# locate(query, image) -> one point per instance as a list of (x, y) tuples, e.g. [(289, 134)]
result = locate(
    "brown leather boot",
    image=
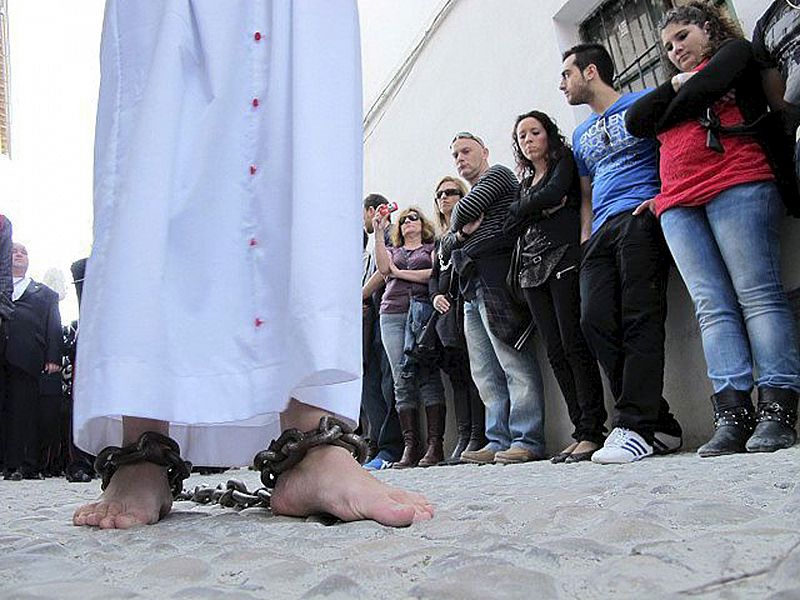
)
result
[(409, 425), (435, 453)]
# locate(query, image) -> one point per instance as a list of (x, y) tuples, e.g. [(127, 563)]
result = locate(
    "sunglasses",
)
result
[(466, 135), (606, 134), (409, 217), (448, 192)]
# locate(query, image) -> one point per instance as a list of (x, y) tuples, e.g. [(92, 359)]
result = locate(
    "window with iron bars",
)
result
[(629, 30)]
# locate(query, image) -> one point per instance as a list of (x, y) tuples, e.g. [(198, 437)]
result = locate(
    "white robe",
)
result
[(225, 272)]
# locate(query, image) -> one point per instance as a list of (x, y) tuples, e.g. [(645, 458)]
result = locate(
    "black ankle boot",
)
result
[(733, 423), (776, 418)]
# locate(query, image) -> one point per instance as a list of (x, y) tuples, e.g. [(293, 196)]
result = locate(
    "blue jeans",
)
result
[(509, 383), (377, 392), (424, 386), (727, 252)]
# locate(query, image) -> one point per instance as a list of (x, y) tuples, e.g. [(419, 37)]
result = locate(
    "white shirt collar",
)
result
[(20, 285)]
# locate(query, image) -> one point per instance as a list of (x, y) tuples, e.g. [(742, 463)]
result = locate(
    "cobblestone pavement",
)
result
[(667, 527)]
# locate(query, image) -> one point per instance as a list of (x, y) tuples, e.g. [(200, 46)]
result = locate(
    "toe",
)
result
[(391, 513), (82, 512), (121, 521)]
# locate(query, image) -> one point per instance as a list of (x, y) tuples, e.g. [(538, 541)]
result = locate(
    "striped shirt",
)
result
[(491, 196)]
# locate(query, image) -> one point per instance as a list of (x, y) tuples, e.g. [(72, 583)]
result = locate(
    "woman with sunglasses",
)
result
[(721, 211), (546, 216), (405, 309), (444, 293)]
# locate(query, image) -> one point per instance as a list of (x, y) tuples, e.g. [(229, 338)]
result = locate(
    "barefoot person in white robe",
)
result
[(228, 157)]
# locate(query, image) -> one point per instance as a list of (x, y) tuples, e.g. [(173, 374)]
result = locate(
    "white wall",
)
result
[(490, 61)]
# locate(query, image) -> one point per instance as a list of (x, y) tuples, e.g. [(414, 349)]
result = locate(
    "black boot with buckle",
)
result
[(733, 423), (776, 418)]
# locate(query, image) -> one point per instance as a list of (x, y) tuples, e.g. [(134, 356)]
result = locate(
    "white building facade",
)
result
[(479, 64)]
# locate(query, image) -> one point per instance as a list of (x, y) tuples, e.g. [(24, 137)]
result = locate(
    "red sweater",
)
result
[(693, 175)]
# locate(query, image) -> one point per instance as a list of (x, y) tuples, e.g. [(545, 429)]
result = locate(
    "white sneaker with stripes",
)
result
[(622, 446)]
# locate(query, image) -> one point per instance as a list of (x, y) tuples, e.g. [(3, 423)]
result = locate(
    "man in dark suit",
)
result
[(33, 346)]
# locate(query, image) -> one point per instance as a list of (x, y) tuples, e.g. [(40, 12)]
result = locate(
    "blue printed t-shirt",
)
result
[(623, 168)]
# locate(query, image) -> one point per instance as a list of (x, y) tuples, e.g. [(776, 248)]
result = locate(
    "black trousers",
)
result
[(466, 399), (21, 423), (556, 310), (623, 285), (50, 416)]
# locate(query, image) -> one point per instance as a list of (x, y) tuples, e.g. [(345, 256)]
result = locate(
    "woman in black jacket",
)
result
[(443, 287), (546, 216)]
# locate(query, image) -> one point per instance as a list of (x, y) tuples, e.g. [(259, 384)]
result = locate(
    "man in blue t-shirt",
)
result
[(623, 278)]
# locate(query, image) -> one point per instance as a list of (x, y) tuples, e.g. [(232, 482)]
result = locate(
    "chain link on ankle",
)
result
[(151, 447), (281, 455)]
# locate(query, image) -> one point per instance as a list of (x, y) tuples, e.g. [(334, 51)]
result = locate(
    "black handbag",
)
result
[(427, 347)]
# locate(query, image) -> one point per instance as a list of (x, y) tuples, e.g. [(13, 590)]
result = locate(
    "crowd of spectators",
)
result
[(577, 247)]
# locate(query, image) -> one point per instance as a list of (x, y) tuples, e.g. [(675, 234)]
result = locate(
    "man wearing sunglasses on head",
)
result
[(502, 358), (623, 278)]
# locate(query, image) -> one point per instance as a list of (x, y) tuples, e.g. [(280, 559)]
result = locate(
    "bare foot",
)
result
[(328, 480), (136, 495)]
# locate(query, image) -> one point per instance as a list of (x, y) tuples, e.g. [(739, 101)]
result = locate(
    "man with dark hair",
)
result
[(593, 54), (501, 355), (377, 386), (625, 262)]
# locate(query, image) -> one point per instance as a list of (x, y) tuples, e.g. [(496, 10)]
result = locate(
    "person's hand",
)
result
[(441, 303), (394, 272), (51, 368), (646, 205), (681, 78), (380, 221), (471, 228), (549, 211)]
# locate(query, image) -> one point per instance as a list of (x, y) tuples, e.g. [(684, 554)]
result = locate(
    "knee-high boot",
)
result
[(775, 420), (409, 425), (463, 423), (477, 438), (733, 423), (435, 452)]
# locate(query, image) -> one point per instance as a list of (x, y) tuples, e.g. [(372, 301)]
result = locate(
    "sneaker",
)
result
[(377, 464), (515, 454), (483, 456), (664, 443), (622, 446)]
